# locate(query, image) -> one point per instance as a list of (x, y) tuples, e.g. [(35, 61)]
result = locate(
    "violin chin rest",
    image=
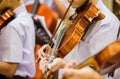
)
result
[(100, 17)]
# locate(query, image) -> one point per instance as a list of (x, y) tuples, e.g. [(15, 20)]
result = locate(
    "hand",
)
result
[(84, 73), (44, 52), (42, 64), (57, 64), (43, 55)]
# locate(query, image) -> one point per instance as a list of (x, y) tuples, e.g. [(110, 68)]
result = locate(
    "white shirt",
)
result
[(49, 3), (17, 41), (101, 34)]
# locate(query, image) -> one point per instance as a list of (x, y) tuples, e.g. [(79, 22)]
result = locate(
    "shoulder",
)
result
[(23, 19), (22, 16), (110, 18), (22, 24)]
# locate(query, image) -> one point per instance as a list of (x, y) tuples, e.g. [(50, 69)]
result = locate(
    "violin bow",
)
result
[(61, 22)]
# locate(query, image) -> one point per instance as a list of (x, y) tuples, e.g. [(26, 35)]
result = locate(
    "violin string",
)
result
[(60, 23), (55, 47)]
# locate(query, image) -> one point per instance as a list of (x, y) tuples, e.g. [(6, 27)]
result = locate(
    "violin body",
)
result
[(51, 16), (106, 60), (6, 17), (76, 30)]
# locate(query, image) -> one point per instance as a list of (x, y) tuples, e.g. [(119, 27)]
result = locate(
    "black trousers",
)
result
[(2, 77), (14, 77)]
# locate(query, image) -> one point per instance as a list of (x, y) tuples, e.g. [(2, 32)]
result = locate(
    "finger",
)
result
[(40, 56), (48, 49), (41, 52), (67, 72), (42, 65), (48, 52), (71, 64), (38, 60), (53, 66), (56, 64)]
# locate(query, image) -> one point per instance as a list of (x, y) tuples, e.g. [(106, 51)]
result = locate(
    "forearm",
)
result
[(60, 7), (8, 69)]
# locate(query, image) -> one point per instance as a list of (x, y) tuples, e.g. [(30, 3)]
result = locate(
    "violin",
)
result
[(83, 18), (104, 61), (74, 31), (5, 17)]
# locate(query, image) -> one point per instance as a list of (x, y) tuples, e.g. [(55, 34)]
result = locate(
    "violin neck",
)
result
[(89, 62), (34, 7)]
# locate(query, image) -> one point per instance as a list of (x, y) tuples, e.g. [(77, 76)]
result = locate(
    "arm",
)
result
[(70, 73), (60, 7), (8, 69), (84, 73), (11, 53)]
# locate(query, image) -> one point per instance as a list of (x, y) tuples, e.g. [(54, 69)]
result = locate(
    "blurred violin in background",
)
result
[(5, 17), (105, 62), (50, 15)]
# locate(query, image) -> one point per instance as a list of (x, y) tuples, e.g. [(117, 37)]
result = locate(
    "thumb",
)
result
[(71, 64), (69, 71)]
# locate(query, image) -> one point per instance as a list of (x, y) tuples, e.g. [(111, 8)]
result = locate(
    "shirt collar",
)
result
[(20, 9)]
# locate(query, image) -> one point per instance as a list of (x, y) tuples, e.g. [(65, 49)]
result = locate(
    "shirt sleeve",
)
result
[(11, 47), (105, 35)]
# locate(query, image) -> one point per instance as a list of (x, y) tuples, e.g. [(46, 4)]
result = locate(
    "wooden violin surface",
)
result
[(76, 29), (51, 16), (6, 17), (105, 60)]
